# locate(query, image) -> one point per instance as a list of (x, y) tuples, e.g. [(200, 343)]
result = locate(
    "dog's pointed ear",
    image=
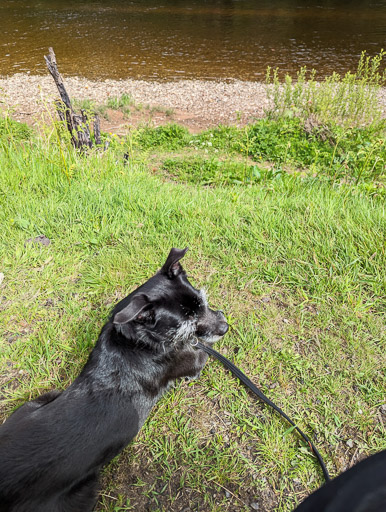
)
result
[(139, 304), (172, 266)]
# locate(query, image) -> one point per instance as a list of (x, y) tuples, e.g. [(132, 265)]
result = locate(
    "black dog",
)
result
[(53, 448), (360, 489)]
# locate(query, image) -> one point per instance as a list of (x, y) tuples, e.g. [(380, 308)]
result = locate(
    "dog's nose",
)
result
[(223, 325), (223, 328)]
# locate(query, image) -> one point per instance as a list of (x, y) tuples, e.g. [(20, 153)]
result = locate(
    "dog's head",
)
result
[(167, 309)]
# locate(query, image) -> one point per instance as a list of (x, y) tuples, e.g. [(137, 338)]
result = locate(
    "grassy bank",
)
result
[(286, 229)]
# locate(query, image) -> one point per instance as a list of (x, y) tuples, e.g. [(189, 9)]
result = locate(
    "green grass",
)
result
[(124, 103), (91, 107), (119, 103), (11, 131), (212, 171), (296, 263), (349, 155), (171, 136)]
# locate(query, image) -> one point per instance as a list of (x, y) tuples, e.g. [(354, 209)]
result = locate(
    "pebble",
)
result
[(255, 506)]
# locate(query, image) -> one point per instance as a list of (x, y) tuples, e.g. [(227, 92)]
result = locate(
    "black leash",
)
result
[(245, 380)]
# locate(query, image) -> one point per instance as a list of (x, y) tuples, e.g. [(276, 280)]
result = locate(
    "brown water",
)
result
[(177, 39)]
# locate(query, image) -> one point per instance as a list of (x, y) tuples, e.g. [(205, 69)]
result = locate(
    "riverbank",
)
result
[(196, 104)]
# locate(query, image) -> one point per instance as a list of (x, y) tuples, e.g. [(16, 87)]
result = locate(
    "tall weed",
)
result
[(350, 100)]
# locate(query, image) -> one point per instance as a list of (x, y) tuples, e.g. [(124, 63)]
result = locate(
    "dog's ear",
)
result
[(172, 266), (133, 311)]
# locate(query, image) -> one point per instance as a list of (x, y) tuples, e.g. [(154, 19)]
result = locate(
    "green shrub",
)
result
[(168, 137), (221, 138), (353, 153), (285, 141)]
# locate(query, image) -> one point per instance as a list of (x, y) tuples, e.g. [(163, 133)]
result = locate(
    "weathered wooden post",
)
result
[(77, 124)]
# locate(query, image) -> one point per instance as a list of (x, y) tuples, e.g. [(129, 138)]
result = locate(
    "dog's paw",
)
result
[(194, 377)]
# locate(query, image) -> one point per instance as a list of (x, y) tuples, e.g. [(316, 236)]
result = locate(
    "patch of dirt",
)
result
[(120, 123), (41, 239), (145, 487), (10, 380), (135, 477)]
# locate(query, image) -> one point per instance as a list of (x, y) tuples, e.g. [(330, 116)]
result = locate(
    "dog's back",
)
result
[(52, 449), (51, 452)]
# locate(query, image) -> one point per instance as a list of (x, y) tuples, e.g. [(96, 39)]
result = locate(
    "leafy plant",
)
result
[(220, 138)]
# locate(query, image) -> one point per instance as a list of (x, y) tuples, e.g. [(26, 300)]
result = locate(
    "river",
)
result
[(174, 39)]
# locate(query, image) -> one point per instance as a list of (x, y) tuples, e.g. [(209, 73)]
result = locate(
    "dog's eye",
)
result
[(145, 317)]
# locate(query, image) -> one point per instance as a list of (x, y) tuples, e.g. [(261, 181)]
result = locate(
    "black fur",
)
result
[(360, 489), (53, 448)]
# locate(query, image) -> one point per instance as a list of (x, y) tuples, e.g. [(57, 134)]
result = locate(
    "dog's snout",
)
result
[(223, 328), (223, 325), (212, 326)]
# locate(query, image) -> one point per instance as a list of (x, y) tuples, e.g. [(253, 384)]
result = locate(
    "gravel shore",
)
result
[(196, 103)]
